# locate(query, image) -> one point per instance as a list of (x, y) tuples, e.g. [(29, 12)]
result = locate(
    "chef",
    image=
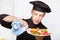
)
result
[(38, 12)]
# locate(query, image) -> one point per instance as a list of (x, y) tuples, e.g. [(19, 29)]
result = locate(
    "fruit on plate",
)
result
[(35, 31), (44, 31), (39, 32)]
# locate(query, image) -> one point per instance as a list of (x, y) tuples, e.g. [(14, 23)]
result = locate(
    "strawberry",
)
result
[(45, 33)]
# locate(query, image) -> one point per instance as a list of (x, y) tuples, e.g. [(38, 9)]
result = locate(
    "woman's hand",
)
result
[(24, 24)]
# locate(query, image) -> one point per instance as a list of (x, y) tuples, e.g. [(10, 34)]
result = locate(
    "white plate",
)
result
[(28, 31)]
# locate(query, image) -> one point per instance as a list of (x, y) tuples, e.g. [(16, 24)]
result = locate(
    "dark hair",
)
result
[(4, 23)]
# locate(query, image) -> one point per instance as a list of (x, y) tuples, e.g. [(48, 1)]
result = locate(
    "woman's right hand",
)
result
[(24, 23)]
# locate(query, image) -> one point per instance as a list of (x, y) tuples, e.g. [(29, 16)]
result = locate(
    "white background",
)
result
[(6, 7), (22, 8)]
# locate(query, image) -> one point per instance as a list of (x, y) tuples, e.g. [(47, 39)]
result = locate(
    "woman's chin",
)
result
[(36, 23)]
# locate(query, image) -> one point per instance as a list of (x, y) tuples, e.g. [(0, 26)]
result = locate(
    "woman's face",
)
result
[(37, 16)]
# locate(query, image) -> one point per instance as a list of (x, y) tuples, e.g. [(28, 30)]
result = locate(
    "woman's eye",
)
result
[(41, 15)]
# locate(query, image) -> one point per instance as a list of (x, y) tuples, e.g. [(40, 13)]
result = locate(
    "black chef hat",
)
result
[(40, 6)]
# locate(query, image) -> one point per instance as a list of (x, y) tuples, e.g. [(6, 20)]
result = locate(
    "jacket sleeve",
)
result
[(6, 24)]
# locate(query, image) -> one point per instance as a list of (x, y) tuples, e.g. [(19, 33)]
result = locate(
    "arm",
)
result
[(7, 20), (12, 18)]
